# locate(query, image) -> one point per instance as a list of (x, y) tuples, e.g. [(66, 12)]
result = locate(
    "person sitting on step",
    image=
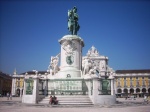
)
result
[(51, 100), (55, 101)]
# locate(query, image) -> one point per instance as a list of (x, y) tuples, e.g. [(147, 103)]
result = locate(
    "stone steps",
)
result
[(70, 100)]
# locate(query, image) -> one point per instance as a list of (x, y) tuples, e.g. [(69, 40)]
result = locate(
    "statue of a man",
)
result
[(86, 66), (73, 25), (54, 65)]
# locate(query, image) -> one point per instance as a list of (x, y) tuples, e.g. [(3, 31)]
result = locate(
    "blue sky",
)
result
[(30, 30)]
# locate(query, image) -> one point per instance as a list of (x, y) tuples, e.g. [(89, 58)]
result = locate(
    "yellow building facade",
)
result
[(128, 82), (17, 84)]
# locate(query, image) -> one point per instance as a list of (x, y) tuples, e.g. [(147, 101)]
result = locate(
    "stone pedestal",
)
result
[(33, 97), (97, 97), (71, 56), (95, 90)]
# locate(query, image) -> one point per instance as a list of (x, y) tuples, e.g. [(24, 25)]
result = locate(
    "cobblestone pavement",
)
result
[(122, 105)]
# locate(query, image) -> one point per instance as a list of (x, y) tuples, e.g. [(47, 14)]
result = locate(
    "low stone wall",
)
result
[(104, 99)]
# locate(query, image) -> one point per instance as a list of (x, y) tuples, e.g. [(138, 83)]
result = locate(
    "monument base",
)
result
[(69, 74), (104, 100)]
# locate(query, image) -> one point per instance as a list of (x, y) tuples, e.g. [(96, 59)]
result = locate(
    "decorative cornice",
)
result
[(71, 37)]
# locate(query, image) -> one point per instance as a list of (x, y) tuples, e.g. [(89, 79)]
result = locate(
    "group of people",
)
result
[(53, 100), (9, 96)]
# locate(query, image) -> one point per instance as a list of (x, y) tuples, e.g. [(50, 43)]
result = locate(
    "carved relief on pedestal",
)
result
[(69, 46)]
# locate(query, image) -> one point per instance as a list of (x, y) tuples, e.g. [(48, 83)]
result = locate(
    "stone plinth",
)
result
[(71, 56), (32, 97)]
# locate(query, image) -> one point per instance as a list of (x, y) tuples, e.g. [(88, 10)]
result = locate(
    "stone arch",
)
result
[(125, 90), (143, 90), (137, 90), (119, 90), (131, 90), (149, 91)]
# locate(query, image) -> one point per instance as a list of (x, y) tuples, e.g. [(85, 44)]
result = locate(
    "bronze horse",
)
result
[(73, 25)]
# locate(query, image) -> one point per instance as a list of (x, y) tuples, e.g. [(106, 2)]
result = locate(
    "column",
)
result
[(115, 86), (20, 92), (35, 90), (128, 90), (46, 87), (95, 89), (122, 90), (141, 90), (134, 90), (112, 86), (13, 91), (12, 87)]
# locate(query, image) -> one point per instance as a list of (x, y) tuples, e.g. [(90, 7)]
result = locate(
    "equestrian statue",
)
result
[(73, 25)]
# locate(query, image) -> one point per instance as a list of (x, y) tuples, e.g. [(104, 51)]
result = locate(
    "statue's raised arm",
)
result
[(73, 25)]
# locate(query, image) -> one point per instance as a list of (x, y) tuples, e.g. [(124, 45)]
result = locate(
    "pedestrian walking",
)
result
[(7, 96), (10, 96)]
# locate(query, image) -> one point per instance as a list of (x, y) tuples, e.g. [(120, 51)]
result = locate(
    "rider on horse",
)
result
[(73, 25)]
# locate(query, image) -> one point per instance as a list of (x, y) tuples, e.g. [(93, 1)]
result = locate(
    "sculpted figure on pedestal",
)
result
[(53, 67), (86, 66), (69, 47), (92, 71)]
